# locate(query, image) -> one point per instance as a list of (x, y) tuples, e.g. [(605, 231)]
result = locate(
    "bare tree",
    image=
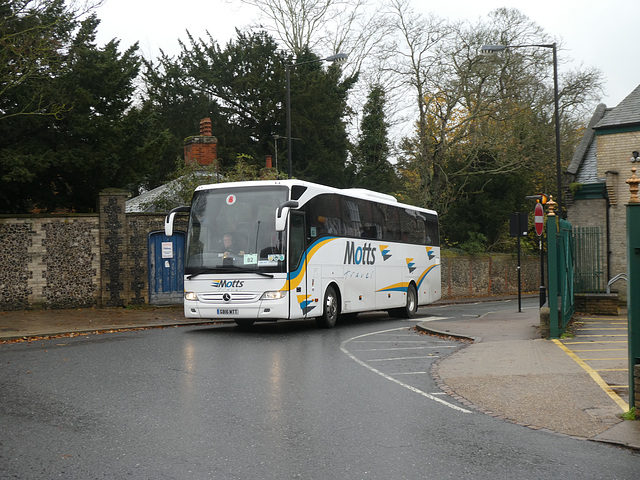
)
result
[(472, 110)]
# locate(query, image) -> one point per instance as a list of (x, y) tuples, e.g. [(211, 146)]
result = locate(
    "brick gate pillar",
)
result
[(113, 247)]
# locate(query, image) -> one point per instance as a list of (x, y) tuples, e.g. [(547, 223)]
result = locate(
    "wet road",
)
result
[(276, 401)]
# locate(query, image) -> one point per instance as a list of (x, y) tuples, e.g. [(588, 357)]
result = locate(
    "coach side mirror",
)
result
[(282, 213), (169, 219)]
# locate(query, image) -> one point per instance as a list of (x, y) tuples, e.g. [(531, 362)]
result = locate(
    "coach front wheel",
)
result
[(331, 309)]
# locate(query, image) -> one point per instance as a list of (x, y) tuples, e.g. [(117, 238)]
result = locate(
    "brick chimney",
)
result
[(201, 149)]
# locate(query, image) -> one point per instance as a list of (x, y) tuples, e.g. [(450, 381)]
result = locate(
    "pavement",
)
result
[(504, 369)]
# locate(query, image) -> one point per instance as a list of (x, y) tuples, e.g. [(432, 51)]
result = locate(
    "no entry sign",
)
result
[(538, 218)]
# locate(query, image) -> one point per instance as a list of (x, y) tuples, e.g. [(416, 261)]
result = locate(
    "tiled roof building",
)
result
[(599, 170)]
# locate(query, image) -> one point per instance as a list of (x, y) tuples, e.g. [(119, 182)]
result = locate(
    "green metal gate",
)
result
[(588, 273), (561, 274)]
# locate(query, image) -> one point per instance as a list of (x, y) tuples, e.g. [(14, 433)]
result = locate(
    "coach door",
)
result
[(298, 303), (166, 268)]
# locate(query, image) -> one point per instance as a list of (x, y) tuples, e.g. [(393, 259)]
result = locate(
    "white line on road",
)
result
[(401, 358), (409, 373), (432, 319), (390, 378), (400, 348)]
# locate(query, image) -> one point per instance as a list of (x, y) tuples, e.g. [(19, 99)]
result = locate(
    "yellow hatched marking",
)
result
[(595, 320), (593, 374), (601, 359), (604, 328), (601, 350), (612, 370), (612, 335), (591, 343), (581, 322)]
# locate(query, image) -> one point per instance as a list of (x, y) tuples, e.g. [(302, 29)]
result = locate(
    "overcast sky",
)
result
[(597, 33)]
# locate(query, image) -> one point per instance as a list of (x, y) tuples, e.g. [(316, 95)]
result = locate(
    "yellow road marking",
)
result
[(620, 322), (612, 369), (602, 319), (603, 328), (592, 342), (598, 359), (593, 374), (613, 335), (601, 350)]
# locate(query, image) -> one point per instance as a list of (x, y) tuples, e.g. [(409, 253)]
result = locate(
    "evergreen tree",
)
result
[(318, 125), (62, 162), (242, 89), (371, 154), (32, 35)]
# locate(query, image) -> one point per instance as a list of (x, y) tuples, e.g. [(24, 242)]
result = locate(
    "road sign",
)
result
[(518, 224), (538, 218)]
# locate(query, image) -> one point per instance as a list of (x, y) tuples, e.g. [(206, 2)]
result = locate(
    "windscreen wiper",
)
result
[(200, 271), (226, 269)]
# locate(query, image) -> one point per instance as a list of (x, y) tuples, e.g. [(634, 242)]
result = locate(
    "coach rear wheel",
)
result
[(331, 309), (411, 307)]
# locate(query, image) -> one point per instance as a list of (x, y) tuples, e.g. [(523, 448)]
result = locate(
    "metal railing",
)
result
[(589, 275), (561, 275)]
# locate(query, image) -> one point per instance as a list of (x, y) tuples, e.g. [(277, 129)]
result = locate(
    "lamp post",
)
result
[(338, 57), (490, 49)]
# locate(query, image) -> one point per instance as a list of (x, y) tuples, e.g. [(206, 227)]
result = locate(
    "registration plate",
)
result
[(228, 311)]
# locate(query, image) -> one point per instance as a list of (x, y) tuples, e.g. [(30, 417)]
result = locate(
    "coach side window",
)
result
[(433, 235), (391, 227)]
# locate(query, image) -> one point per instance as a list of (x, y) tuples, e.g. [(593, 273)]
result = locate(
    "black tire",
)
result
[(244, 322), (411, 307), (331, 309)]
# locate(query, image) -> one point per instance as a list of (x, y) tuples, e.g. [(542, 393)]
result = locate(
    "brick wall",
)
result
[(49, 262), (596, 304), (488, 275), (614, 151), (77, 261)]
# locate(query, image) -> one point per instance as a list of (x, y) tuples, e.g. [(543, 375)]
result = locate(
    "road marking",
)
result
[(433, 319), (612, 335), (394, 349), (390, 341), (602, 322), (614, 396), (601, 350), (395, 380), (599, 359), (409, 373), (603, 328), (401, 358), (568, 342)]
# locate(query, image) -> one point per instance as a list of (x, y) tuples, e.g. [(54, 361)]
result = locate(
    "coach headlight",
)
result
[(190, 296), (275, 295)]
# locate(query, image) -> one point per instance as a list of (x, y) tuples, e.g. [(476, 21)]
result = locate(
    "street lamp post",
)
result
[(490, 49), (338, 57)]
